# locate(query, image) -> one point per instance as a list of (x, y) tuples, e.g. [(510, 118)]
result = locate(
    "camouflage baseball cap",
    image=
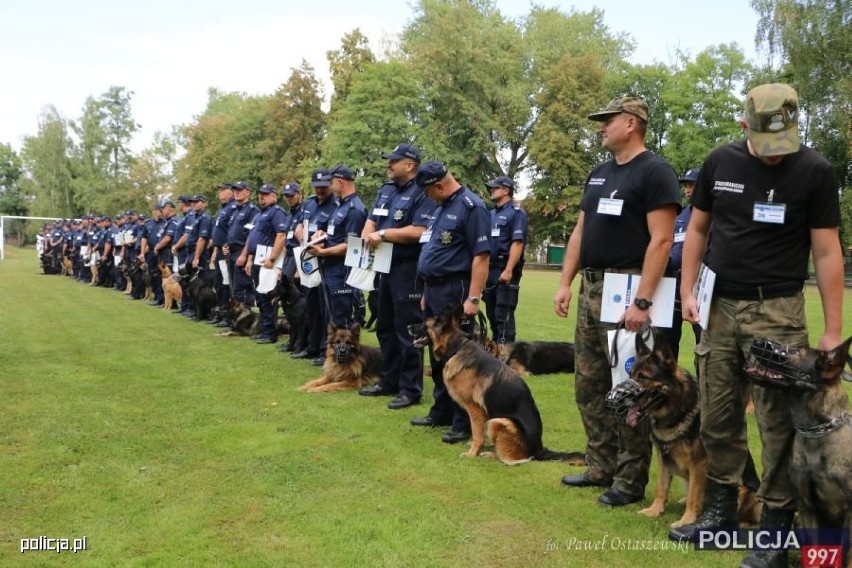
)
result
[(772, 114), (625, 103)]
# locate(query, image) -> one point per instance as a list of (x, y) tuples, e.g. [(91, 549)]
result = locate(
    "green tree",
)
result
[(47, 163), (151, 174), (344, 63), (12, 199), (293, 127)]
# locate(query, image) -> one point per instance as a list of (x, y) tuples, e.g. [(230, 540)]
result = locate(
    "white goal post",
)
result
[(3, 228)]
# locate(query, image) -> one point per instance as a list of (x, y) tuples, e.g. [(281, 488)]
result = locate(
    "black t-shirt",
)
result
[(645, 183), (745, 252)]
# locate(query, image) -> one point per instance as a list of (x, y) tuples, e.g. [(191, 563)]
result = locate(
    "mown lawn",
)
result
[(165, 445)]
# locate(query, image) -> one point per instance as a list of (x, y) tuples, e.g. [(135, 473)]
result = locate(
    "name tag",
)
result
[(290, 234), (679, 237), (312, 228), (380, 212), (769, 213), (330, 230), (607, 206), (426, 236), (249, 226), (495, 232)]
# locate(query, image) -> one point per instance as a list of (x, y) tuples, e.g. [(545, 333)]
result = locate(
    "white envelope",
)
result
[(704, 294), (223, 268), (619, 290), (267, 279), (359, 256)]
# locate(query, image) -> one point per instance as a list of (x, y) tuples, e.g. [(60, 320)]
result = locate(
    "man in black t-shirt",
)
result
[(625, 225), (768, 202)]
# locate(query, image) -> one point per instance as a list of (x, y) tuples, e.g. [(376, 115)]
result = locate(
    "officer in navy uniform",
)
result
[(57, 236), (182, 231), (454, 266), (137, 292), (78, 240), (118, 236), (109, 250), (270, 230), (91, 238), (315, 215), (508, 238), (239, 227), (348, 219), (399, 215), (166, 234), (198, 236), (221, 224), (150, 237), (292, 193)]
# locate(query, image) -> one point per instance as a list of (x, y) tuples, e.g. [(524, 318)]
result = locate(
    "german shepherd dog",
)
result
[(172, 291), (348, 364), (537, 357), (495, 397), (242, 320), (821, 461), (67, 266), (666, 393), (199, 286), (294, 305)]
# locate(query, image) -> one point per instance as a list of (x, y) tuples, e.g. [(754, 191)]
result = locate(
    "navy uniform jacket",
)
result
[(460, 232), (296, 217), (170, 228), (221, 223), (681, 222), (267, 224), (403, 206), (240, 223), (508, 224), (79, 239), (185, 226), (153, 232), (317, 215), (200, 229), (347, 219)]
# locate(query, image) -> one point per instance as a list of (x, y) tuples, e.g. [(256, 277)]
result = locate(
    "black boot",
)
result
[(770, 519), (720, 510)]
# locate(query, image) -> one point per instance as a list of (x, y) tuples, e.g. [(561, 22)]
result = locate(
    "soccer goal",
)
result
[(5, 222)]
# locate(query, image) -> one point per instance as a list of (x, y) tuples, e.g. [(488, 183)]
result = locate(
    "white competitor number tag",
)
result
[(608, 206), (380, 212), (769, 213)]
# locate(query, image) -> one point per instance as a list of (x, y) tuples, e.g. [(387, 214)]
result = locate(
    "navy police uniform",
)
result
[(219, 236), (239, 226), (317, 215), (508, 225), (347, 219), (270, 222)]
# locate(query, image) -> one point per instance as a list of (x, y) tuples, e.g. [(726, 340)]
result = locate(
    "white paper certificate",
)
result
[(704, 294), (359, 256), (619, 291)]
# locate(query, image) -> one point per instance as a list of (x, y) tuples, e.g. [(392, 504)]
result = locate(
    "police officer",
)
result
[(454, 266), (57, 238), (152, 232), (239, 226), (182, 230), (399, 215), (625, 225), (315, 215), (219, 238), (137, 291), (270, 231), (293, 197), (166, 234), (769, 203), (508, 238), (347, 219)]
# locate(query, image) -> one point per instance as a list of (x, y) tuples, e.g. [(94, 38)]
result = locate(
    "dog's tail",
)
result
[(571, 458)]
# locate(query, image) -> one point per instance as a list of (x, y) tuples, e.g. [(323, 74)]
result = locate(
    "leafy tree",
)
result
[(151, 173), (12, 199), (352, 57), (293, 126), (46, 159)]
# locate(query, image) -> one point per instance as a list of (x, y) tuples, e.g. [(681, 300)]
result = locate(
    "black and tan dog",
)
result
[(243, 321), (536, 357), (666, 393), (348, 364), (495, 397), (200, 288), (821, 461), (294, 305)]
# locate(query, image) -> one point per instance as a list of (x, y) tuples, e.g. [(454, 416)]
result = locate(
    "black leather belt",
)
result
[(445, 279), (754, 293), (597, 274)]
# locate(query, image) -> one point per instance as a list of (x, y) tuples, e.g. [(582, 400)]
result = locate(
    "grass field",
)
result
[(164, 445)]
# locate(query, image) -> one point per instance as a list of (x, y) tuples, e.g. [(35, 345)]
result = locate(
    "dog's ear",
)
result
[(457, 313), (355, 329), (331, 329), (833, 361)]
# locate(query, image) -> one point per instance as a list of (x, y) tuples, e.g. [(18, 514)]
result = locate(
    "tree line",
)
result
[(484, 93)]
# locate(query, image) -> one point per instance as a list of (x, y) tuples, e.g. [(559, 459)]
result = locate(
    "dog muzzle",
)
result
[(342, 352), (631, 402), (768, 365)]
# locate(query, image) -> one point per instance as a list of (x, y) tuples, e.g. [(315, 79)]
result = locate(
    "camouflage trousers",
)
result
[(724, 392), (615, 452)]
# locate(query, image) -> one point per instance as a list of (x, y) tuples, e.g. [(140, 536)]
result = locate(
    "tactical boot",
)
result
[(720, 510), (770, 519)]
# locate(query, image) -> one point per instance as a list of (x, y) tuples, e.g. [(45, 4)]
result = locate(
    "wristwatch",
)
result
[(643, 303), (382, 234), (473, 300)]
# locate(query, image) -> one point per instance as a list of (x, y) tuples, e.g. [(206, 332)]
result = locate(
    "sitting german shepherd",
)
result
[(348, 364), (537, 357), (242, 320), (199, 286), (821, 461), (171, 287), (660, 389), (495, 397)]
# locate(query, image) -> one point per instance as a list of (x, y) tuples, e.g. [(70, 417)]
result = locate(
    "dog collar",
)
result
[(824, 429)]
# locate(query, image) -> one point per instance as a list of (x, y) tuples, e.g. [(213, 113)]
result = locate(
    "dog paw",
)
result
[(652, 511), (682, 521)]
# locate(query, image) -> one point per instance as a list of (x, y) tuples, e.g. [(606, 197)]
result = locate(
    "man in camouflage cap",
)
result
[(769, 203)]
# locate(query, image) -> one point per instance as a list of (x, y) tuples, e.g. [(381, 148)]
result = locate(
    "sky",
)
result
[(170, 52)]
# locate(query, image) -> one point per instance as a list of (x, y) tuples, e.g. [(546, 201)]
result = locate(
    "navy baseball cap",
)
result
[(197, 197), (130, 212), (159, 206), (403, 151), (290, 189), (342, 172), (690, 175), (266, 188), (169, 203), (430, 172), (502, 181), (184, 199), (320, 177), (240, 185), (224, 185)]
